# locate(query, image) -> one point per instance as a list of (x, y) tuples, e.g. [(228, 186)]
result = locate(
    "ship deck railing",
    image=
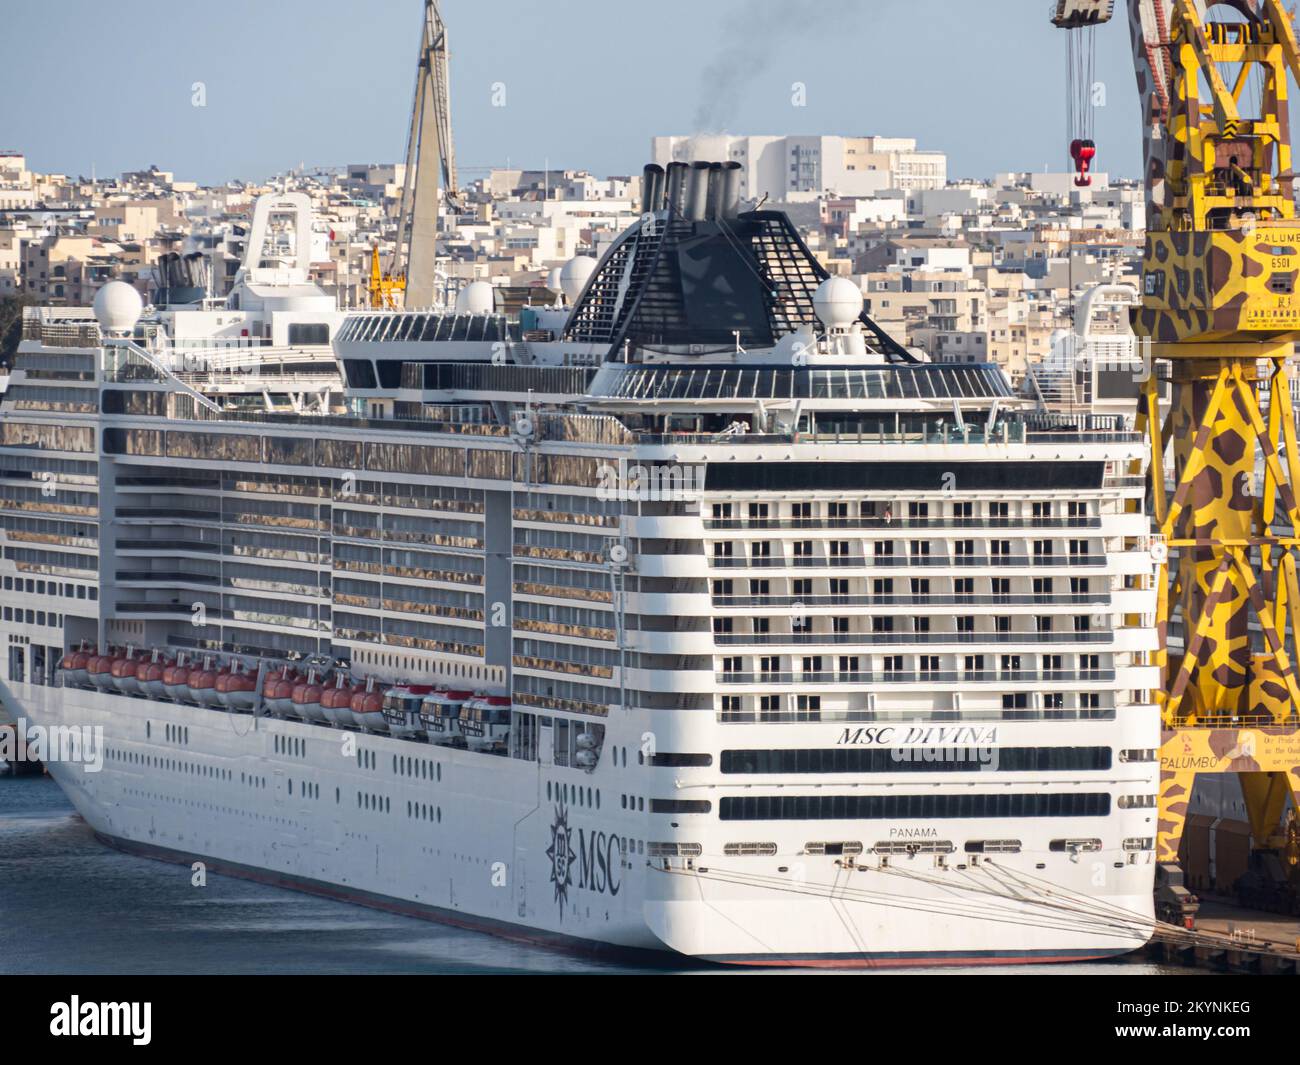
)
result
[(234, 358), (804, 717), (1016, 433), (877, 521), (289, 621), (786, 601), (345, 421), (742, 639), (1019, 676), (900, 561)]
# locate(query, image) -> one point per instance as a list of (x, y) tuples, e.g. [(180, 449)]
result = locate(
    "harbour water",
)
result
[(68, 904)]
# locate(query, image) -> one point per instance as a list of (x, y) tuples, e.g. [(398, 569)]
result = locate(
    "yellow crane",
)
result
[(1219, 319), (383, 288)]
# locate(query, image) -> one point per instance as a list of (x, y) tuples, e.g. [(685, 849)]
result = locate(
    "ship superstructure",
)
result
[(694, 614)]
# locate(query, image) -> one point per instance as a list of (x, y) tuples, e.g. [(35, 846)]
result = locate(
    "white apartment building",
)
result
[(12, 237), (17, 185), (805, 167)]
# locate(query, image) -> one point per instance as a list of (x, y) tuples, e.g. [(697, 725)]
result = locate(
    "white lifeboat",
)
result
[(440, 713), (485, 723), (402, 710)]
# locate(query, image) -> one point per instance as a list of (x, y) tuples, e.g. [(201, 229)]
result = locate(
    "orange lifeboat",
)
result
[(237, 689), (277, 691), (99, 670), (123, 672), (203, 684), (175, 679), (367, 708), (149, 675), (74, 667), (306, 698), (336, 702)]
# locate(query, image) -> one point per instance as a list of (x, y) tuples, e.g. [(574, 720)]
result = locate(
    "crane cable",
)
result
[(910, 902), (1069, 911), (1080, 76)]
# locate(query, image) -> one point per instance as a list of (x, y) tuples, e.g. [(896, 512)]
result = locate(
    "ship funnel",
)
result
[(178, 280), (675, 196), (729, 190), (697, 192), (652, 188)]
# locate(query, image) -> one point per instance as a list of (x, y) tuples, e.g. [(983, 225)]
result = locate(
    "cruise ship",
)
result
[(684, 614)]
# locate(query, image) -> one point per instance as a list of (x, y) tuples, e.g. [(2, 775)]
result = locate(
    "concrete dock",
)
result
[(1228, 938)]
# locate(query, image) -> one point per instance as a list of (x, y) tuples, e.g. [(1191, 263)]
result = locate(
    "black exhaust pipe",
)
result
[(652, 188), (713, 209), (729, 195), (675, 196), (697, 192)]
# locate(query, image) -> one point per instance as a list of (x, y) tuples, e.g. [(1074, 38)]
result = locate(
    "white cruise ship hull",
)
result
[(294, 805)]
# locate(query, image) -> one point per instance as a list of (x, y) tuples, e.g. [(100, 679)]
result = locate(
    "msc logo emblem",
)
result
[(562, 856), (597, 859)]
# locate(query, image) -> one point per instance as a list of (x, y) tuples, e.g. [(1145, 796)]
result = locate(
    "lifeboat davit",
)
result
[(367, 708), (277, 692), (237, 689), (99, 670), (336, 702), (305, 698), (203, 684), (175, 679), (123, 673), (402, 710), (149, 675), (74, 667), (440, 712)]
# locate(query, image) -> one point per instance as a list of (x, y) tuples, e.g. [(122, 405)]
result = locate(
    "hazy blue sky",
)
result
[(587, 82)]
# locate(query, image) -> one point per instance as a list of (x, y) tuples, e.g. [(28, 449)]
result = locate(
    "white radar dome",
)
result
[(574, 275), (553, 278), (118, 307), (837, 302), (475, 298)]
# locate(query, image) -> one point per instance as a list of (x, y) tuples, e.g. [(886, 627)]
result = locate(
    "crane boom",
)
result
[(430, 154), (1149, 35), (1219, 319)]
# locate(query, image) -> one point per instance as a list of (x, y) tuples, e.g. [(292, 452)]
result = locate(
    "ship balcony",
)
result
[(190, 515), (889, 676), (153, 547), (264, 620), (878, 521), (784, 603), (168, 577), (1048, 715), (939, 639), (973, 433), (917, 561)]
